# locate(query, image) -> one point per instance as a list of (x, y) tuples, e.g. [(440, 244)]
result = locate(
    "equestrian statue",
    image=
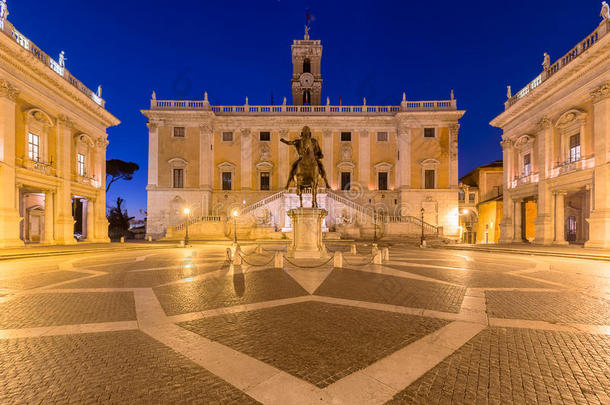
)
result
[(308, 168)]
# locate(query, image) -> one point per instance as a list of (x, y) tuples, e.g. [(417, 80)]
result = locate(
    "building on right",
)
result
[(556, 148)]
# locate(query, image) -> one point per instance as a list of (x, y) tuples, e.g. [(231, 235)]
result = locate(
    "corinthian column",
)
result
[(9, 212), (64, 221), (453, 155)]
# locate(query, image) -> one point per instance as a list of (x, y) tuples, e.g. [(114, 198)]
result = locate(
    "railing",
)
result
[(571, 165), (192, 221), (9, 30), (571, 55), (447, 105), (260, 203), (353, 205), (46, 168), (525, 179), (428, 228)]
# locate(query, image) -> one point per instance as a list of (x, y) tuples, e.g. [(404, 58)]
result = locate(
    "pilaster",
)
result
[(404, 162), (9, 211), (246, 159), (544, 220), (205, 155), (283, 156), (153, 153), (364, 159), (518, 221), (64, 220), (48, 217), (560, 238), (453, 155), (327, 150)]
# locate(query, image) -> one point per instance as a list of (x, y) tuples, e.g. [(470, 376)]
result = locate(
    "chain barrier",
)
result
[(366, 262), (309, 267), (255, 264)]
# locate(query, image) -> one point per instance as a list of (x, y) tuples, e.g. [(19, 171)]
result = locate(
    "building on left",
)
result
[(52, 148)]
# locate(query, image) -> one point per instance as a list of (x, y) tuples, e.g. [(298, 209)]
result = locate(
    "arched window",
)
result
[(306, 66), (306, 97)]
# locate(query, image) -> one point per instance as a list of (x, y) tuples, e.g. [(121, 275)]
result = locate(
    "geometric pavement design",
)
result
[(181, 326)]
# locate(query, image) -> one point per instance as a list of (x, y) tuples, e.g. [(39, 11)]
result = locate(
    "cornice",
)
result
[(18, 58), (601, 93), (8, 90)]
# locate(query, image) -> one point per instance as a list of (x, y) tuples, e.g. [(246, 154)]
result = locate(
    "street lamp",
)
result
[(187, 212), (423, 239), (235, 213)]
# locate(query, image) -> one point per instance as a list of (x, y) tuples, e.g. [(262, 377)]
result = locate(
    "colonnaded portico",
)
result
[(384, 163)]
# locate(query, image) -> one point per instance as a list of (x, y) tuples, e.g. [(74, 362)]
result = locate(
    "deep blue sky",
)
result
[(234, 49)]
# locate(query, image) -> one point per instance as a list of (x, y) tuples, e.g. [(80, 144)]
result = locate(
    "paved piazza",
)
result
[(180, 325)]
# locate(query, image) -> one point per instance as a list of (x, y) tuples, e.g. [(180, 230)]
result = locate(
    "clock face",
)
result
[(306, 80)]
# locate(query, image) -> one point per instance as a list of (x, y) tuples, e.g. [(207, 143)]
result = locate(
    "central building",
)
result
[(384, 163)]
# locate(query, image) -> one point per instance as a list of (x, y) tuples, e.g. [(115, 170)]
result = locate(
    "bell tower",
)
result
[(306, 71)]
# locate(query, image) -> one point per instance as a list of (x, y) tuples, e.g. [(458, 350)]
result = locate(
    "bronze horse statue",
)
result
[(306, 171)]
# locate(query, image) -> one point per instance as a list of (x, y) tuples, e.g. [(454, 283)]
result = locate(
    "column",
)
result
[(599, 220), (90, 220), (364, 159), (153, 154), (560, 238), (64, 222), (518, 221), (507, 231), (48, 238), (205, 161), (99, 201), (544, 218), (404, 162), (453, 155), (9, 208), (246, 159), (327, 150), (283, 156)]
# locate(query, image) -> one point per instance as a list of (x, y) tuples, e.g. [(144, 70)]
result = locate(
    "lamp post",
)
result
[(235, 213), (423, 240), (187, 212)]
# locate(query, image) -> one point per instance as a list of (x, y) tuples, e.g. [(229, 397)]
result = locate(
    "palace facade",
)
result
[(52, 148), (556, 149), (384, 163)]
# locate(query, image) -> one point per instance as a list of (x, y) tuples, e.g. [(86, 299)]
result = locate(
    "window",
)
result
[(227, 136), (346, 136), (346, 179), (471, 197), (80, 164), (306, 66), (178, 178), (265, 181), (527, 164), (382, 180), (265, 136), (382, 137), (429, 132), (429, 178), (306, 97), (179, 132), (461, 195), (34, 147), (227, 180), (574, 148)]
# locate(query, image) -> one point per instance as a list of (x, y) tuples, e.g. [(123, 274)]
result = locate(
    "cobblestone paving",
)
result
[(113, 367), (265, 285), (474, 278), (520, 366), (140, 279), (320, 343), (364, 286), (578, 280), (36, 280), (29, 311), (548, 306)]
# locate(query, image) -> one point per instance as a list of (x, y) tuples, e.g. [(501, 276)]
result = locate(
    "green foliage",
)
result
[(118, 221), (118, 169)]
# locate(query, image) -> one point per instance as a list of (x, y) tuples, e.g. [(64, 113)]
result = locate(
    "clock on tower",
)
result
[(306, 73)]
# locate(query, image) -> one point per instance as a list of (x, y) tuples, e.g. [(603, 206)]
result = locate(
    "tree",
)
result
[(118, 169), (118, 220)]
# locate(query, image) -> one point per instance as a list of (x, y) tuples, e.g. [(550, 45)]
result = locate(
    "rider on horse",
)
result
[(298, 143)]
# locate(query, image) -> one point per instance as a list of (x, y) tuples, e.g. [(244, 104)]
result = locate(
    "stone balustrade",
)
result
[(9, 30), (591, 39), (445, 105)]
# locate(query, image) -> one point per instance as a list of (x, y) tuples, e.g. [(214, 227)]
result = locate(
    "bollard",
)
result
[(229, 254), (338, 260), (352, 249), (375, 249), (377, 259), (149, 238), (181, 243), (259, 249), (278, 261), (385, 253), (122, 239)]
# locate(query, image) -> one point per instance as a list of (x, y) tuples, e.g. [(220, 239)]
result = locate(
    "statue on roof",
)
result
[(62, 59), (605, 13), (306, 37), (3, 11), (546, 62)]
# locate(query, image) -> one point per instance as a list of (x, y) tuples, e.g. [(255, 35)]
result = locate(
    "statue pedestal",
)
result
[(307, 233)]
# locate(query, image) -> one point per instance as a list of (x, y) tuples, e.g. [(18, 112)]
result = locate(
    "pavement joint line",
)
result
[(544, 325), (421, 356), (70, 329), (432, 266), (513, 251), (388, 271)]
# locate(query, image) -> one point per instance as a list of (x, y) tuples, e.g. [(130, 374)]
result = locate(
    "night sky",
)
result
[(234, 49)]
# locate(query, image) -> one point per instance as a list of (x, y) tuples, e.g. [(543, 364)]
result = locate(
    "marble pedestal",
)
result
[(307, 233)]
